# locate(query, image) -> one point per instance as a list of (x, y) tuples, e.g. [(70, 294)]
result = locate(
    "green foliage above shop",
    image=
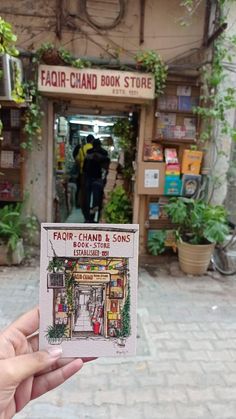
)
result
[(7, 39), (151, 62)]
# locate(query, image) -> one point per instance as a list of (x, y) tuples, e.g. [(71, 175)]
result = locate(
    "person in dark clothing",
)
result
[(95, 170), (75, 174)]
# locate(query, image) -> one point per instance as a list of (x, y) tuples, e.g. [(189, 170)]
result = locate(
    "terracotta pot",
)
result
[(194, 259), (52, 57)]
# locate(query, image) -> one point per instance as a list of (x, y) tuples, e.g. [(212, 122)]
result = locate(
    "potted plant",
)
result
[(11, 230), (199, 227), (156, 243), (55, 334), (118, 209), (14, 229)]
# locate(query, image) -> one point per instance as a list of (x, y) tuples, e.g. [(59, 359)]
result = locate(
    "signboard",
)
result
[(91, 277), (87, 243), (96, 82)]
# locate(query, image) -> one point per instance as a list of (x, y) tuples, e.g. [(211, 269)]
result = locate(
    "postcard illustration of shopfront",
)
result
[(88, 288)]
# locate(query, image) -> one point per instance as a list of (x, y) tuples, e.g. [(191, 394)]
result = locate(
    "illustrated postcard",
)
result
[(88, 288)]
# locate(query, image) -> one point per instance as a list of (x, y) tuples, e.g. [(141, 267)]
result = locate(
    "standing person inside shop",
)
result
[(74, 176), (83, 151), (80, 159), (95, 171)]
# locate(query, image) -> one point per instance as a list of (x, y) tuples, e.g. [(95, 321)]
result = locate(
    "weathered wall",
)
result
[(222, 160), (36, 22)]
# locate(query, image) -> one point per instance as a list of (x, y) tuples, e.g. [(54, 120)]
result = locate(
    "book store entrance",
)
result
[(91, 159), (89, 310)]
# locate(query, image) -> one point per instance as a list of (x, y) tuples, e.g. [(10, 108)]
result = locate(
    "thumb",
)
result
[(16, 370)]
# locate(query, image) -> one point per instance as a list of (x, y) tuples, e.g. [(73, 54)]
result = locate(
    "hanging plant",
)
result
[(49, 54), (151, 62)]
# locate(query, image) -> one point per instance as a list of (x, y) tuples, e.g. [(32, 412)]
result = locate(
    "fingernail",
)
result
[(55, 352)]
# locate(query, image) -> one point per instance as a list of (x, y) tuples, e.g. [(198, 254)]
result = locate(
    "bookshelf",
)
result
[(175, 127), (11, 155)]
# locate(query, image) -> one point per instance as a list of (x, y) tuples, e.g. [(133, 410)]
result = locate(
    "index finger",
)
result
[(28, 323)]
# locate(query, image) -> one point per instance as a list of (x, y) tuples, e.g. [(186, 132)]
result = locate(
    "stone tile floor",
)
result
[(185, 366)]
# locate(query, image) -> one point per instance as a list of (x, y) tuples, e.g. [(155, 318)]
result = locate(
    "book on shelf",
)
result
[(173, 169), (171, 156), (191, 185), (153, 210), (15, 118), (184, 90), (153, 152), (166, 119), (172, 185), (185, 103), (7, 159), (169, 103), (191, 162), (6, 138)]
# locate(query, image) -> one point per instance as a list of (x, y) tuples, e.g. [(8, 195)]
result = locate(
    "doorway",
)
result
[(71, 130), (89, 303)]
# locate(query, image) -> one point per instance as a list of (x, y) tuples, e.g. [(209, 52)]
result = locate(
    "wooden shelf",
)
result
[(12, 176), (159, 224), (191, 113), (10, 168), (174, 141), (3, 199)]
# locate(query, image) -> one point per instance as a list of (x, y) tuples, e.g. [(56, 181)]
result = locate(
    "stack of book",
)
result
[(172, 179)]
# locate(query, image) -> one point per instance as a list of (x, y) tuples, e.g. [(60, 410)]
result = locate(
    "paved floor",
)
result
[(185, 367)]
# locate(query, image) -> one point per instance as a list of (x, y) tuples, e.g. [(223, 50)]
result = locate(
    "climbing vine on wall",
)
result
[(218, 96), (152, 62)]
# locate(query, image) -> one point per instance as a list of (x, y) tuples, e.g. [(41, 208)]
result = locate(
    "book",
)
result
[(191, 162), (7, 159), (88, 275), (171, 155), (173, 169), (179, 131), (172, 185), (168, 102), (154, 211), (166, 119), (184, 103), (153, 152), (191, 185), (184, 90)]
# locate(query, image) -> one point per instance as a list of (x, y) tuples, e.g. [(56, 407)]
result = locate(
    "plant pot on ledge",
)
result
[(52, 57)]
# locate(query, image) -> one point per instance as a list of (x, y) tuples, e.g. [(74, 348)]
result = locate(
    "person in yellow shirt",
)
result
[(80, 159), (83, 151)]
